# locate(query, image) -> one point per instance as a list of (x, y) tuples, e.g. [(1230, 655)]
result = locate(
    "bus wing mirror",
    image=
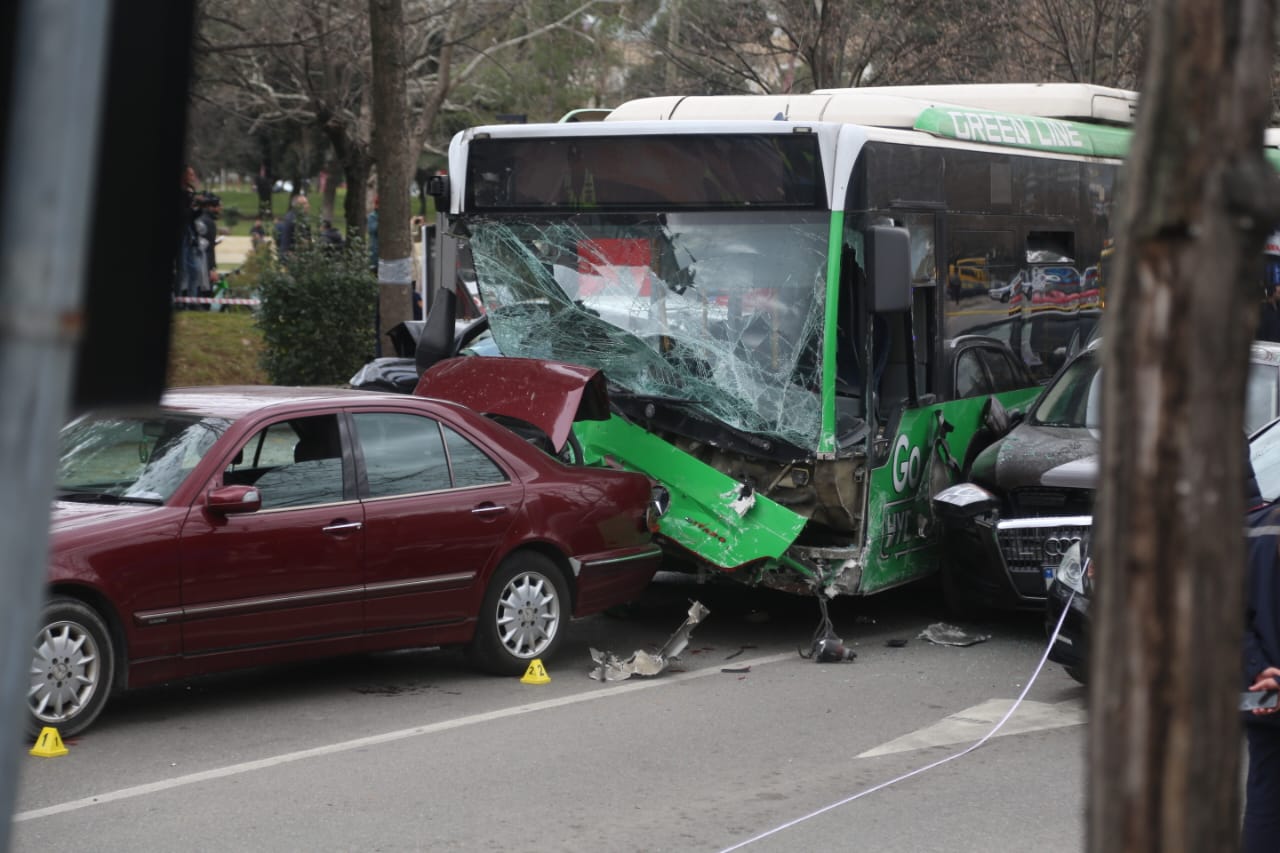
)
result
[(889, 269), (438, 189), (436, 343)]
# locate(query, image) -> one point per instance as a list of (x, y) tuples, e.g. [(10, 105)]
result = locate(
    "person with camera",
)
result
[(190, 270)]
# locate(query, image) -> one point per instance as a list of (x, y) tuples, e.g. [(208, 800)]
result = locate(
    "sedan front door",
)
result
[(290, 573)]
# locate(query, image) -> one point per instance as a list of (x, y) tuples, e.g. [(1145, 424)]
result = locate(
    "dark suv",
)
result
[(1029, 496)]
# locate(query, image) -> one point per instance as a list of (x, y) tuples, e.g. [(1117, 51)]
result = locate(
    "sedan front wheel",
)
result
[(72, 665), (523, 616)]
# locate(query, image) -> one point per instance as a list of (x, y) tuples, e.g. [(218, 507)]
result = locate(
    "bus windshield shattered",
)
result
[(715, 314)]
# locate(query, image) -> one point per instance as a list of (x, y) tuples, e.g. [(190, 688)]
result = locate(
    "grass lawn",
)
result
[(215, 348), (245, 203)]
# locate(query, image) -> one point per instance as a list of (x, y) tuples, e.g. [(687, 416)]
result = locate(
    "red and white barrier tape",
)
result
[(212, 300)]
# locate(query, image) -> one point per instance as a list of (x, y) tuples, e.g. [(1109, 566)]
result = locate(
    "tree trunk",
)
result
[(1164, 734), (356, 205), (329, 193), (391, 153)]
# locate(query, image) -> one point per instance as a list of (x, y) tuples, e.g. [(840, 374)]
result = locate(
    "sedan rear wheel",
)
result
[(524, 612), (72, 665)]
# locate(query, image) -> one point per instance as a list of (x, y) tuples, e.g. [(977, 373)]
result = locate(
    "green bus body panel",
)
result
[(1021, 131), (902, 538), (701, 517), (835, 244)]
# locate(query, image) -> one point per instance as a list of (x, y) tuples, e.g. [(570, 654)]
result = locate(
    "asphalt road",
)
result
[(415, 751)]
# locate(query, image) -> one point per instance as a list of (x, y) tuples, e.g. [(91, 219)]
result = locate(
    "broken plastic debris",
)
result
[(735, 670), (744, 501), (609, 667), (949, 635)]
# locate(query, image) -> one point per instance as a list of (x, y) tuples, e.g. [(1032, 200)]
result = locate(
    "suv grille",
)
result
[(1028, 551)]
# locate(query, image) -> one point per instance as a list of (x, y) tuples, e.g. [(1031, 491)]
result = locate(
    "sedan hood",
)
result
[(1034, 456), (550, 395), (71, 515)]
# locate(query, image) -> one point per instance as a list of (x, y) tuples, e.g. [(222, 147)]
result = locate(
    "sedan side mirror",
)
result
[(231, 500)]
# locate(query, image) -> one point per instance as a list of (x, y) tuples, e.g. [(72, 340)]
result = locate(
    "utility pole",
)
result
[(59, 51), (1196, 203)]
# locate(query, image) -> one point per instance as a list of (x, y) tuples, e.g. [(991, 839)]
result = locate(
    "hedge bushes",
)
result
[(317, 314)]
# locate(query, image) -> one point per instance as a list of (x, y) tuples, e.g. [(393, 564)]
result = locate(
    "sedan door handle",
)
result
[(343, 527), (488, 509)]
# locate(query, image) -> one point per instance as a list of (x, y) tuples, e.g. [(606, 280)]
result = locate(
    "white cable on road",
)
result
[(1044, 657)]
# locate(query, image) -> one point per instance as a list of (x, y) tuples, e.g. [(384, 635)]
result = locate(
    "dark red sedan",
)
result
[(236, 527)]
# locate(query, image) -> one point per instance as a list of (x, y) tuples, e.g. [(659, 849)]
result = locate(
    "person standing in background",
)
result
[(187, 269), (293, 229), (257, 234), (210, 208)]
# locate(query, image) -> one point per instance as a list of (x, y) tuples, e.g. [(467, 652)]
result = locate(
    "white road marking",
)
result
[(387, 737), (972, 723)]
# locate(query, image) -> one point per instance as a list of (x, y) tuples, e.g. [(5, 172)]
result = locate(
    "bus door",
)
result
[(900, 536)]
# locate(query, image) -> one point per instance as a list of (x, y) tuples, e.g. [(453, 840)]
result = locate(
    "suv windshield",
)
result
[(1073, 399), (719, 313)]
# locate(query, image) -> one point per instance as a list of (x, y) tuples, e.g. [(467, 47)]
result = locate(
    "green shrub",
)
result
[(317, 314)]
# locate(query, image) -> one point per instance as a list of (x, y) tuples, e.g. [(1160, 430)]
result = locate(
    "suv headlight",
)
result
[(1070, 571)]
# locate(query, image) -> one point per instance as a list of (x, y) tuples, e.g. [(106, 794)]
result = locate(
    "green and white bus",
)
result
[(794, 297)]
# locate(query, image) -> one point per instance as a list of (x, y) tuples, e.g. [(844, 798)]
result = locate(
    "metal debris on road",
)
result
[(609, 667), (826, 646), (949, 635)]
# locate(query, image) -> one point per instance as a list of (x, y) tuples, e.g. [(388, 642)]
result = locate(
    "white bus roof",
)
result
[(896, 106)]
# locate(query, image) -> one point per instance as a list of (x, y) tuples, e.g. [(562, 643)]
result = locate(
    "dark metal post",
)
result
[(48, 162)]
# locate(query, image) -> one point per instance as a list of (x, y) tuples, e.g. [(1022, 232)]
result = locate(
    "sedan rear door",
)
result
[(437, 506)]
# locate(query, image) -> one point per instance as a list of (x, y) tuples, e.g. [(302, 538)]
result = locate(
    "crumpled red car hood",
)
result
[(551, 395)]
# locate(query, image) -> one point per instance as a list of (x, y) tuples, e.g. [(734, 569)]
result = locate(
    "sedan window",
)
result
[(292, 463), (471, 465), (403, 454)]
